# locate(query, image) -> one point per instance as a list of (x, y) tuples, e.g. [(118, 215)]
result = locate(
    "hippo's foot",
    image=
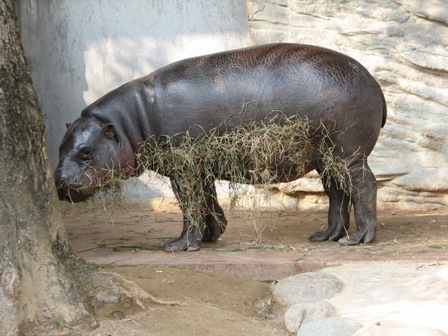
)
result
[(207, 237), (211, 234), (189, 240), (365, 236), (181, 244), (333, 234), (214, 228)]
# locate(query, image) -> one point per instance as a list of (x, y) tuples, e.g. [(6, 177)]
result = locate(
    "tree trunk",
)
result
[(43, 283), (40, 275)]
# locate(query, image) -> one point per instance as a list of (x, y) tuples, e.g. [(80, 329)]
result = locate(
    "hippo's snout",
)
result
[(71, 193), (73, 189)]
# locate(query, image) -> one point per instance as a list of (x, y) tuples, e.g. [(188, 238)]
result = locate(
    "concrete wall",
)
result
[(80, 50), (404, 44)]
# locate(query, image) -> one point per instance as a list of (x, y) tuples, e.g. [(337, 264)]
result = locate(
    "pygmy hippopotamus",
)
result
[(316, 84)]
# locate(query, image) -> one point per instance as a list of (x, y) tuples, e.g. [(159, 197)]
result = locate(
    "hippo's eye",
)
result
[(86, 153)]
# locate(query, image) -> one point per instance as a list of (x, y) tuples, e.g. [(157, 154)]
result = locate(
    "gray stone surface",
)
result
[(387, 299), (301, 313), (393, 328), (404, 44), (306, 287), (412, 295), (330, 326)]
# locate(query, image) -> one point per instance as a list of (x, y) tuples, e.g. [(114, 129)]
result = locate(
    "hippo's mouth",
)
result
[(72, 194)]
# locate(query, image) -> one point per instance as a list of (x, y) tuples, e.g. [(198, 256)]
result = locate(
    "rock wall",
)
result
[(404, 44)]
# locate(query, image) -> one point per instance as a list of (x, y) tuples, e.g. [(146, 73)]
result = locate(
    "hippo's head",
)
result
[(90, 154)]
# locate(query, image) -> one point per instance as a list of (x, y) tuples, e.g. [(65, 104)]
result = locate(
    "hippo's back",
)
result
[(312, 82)]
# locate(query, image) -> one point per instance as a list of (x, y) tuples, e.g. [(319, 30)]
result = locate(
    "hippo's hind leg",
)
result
[(215, 221), (338, 212), (363, 187)]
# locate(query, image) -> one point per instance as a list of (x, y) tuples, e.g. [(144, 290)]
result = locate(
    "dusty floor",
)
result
[(218, 285)]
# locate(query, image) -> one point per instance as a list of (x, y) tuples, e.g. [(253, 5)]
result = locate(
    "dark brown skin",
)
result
[(318, 84)]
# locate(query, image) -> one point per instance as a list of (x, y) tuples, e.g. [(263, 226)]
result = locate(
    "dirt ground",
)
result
[(219, 287)]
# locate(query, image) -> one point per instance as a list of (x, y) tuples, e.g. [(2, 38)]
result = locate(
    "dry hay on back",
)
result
[(257, 152)]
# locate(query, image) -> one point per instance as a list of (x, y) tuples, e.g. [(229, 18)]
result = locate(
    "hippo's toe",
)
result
[(189, 240), (180, 245), (329, 234), (174, 246), (360, 237)]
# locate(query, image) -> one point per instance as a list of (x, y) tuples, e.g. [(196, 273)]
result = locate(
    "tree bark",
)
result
[(43, 284), (40, 275)]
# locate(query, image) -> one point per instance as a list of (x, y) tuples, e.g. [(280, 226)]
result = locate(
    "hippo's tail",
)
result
[(384, 108), (384, 112)]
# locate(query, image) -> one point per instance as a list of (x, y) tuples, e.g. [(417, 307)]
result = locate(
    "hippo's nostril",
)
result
[(61, 184)]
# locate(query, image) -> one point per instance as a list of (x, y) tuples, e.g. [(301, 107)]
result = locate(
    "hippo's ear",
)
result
[(67, 125), (109, 130)]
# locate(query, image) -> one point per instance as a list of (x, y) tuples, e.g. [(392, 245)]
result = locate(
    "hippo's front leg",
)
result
[(215, 222), (192, 233), (209, 225)]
